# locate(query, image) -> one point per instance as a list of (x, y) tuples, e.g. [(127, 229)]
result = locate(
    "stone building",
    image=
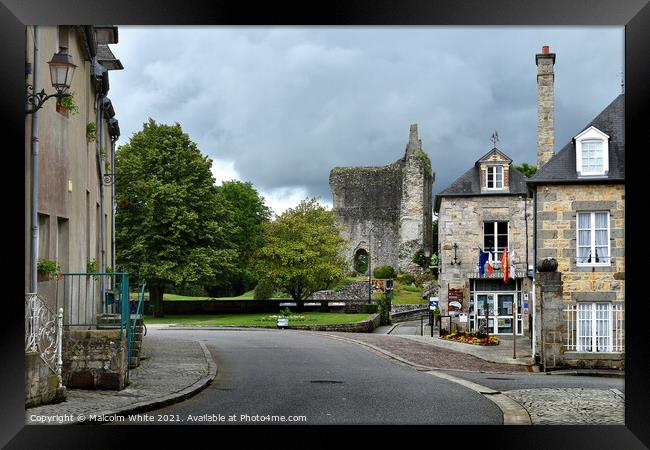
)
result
[(488, 208), (386, 211), (580, 222), (68, 157)]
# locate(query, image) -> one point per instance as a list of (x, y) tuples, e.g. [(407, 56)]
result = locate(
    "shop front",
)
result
[(500, 298)]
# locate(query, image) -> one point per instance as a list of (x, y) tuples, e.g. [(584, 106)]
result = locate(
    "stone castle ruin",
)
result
[(386, 211)]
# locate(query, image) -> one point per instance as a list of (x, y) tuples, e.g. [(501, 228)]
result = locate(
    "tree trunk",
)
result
[(156, 297), (296, 296)]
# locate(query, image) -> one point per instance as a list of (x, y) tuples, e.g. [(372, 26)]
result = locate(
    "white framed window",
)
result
[(595, 327), (593, 245), (495, 177), (592, 156), (592, 152), (495, 239)]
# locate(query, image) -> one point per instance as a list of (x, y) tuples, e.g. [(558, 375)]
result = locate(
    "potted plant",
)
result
[(47, 269), (91, 131), (66, 104), (91, 267)]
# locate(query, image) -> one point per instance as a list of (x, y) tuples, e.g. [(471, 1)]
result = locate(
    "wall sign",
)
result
[(455, 299)]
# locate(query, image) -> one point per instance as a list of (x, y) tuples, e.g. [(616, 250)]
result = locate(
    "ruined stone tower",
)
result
[(386, 211)]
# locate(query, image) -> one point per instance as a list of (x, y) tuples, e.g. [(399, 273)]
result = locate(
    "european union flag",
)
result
[(482, 259)]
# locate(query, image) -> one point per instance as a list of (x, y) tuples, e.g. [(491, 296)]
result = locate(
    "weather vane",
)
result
[(495, 138)]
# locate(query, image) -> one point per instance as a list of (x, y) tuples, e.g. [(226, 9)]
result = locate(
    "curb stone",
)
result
[(168, 399), (513, 412)]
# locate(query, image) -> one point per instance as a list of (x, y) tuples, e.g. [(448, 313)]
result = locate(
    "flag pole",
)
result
[(514, 315)]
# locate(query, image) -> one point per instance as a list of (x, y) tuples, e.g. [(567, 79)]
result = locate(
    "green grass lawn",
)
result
[(311, 318)]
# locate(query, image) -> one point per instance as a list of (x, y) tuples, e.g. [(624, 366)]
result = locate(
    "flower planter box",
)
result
[(464, 339)]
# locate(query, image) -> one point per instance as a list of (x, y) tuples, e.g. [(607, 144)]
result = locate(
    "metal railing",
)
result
[(136, 313), (94, 300), (43, 331), (595, 327)]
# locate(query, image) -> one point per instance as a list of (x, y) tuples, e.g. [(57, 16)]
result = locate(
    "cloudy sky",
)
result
[(281, 106)]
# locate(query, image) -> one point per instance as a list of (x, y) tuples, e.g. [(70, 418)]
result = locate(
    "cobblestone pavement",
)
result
[(428, 355), (169, 367), (571, 406)]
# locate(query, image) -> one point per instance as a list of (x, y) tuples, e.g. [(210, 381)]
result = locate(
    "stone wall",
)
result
[(551, 338), (386, 210), (412, 314), (461, 221), (366, 198), (95, 359), (557, 206), (396, 309), (41, 383), (356, 290)]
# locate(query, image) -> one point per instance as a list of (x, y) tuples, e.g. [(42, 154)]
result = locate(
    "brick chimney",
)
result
[(545, 106)]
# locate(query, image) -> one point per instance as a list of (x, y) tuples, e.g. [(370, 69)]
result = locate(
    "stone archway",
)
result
[(360, 261)]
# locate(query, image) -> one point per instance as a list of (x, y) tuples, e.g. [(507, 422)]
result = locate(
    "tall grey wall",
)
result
[(386, 210)]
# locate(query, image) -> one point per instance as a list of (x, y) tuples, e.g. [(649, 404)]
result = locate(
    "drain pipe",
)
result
[(35, 171), (113, 205), (534, 302), (100, 162)]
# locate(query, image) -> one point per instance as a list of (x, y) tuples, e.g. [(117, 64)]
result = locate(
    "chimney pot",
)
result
[(545, 49)]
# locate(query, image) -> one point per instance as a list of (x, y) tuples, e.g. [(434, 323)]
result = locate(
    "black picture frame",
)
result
[(634, 15)]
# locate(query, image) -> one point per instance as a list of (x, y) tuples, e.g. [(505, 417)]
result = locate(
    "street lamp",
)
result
[(61, 73)]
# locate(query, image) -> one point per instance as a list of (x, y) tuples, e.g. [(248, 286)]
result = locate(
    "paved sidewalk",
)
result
[(427, 355), (572, 406), (501, 353), (171, 371)]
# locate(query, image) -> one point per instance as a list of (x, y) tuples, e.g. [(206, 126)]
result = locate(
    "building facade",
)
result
[(386, 212), (580, 224), (69, 155), (486, 209)]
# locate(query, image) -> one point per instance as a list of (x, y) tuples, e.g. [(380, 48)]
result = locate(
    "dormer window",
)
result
[(495, 177), (592, 157), (592, 153)]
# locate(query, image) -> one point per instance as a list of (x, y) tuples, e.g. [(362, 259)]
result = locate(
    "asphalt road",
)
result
[(328, 381)]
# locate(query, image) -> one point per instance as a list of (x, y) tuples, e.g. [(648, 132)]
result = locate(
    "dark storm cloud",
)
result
[(282, 106)]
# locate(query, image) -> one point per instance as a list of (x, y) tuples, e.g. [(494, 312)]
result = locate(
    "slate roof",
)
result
[(106, 57), (469, 184), (561, 168)]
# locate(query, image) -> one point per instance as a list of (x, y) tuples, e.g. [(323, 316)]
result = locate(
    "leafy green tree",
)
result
[(302, 251), (249, 213), (434, 241), (420, 259), (527, 169), (173, 226)]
